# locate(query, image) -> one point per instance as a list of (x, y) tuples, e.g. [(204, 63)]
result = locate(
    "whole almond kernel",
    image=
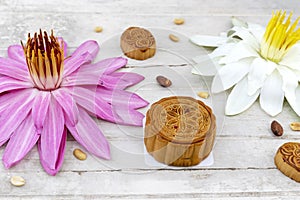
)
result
[(276, 128), (178, 21), (17, 181), (295, 126), (79, 154), (163, 81)]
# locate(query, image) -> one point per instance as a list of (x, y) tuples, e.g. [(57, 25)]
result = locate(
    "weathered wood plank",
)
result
[(156, 7), (228, 153), (76, 28), (244, 149), (172, 184)]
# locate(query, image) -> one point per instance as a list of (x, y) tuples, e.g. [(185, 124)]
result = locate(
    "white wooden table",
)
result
[(245, 147)]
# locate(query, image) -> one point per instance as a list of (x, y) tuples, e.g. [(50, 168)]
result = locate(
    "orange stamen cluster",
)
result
[(44, 57)]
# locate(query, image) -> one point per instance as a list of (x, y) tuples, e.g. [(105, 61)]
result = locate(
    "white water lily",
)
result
[(256, 61)]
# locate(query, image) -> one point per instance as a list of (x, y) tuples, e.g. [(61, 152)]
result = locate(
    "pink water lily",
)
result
[(45, 94)]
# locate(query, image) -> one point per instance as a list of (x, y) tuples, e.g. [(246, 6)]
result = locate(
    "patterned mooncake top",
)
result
[(180, 119)]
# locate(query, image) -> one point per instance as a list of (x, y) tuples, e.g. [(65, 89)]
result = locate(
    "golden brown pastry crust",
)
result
[(138, 43), (287, 160), (179, 131)]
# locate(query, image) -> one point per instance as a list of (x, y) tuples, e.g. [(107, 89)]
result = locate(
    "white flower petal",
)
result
[(205, 66), (208, 41), (240, 50), (292, 58), (290, 81), (294, 100), (238, 22), (246, 36), (230, 74), (297, 74), (222, 50), (290, 87), (257, 30), (223, 34), (260, 69), (272, 95), (238, 100)]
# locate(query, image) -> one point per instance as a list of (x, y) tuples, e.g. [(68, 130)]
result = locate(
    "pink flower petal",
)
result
[(121, 80), (6, 99), (40, 109), (87, 99), (62, 41), (129, 117), (52, 142), (71, 64), (121, 98), (20, 143), (85, 53), (16, 52), (90, 46), (60, 159), (13, 115), (121, 111), (14, 69), (105, 66), (68, 104), (8, 83), (87, 133), (91, 74), (81, 78)]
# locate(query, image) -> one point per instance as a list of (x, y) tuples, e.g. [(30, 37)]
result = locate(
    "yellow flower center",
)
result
[(279, 37), (44, 57)]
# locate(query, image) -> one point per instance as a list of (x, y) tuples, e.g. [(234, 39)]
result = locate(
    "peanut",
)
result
[(178, 21), (98, 29), (17, 181), (174, 38), (295, 126), (79, 154), (203, 95)]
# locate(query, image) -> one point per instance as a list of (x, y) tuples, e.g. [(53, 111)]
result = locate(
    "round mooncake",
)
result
[(287, 160), (138, 43), (179, 131)]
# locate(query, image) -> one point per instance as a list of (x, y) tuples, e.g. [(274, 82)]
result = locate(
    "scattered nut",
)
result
[(174, 38), (17, 181), (203, 95), (163, 81), (79, 154), (295, 126), (98, 29), (276, 128), (178, 21)]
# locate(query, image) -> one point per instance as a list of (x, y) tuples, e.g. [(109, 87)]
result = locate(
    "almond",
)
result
[(163, 81), (276, 128)]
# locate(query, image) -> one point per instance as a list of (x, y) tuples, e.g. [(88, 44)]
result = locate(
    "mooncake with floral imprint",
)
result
[(179, 131), (287, 160), (138, 43)]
